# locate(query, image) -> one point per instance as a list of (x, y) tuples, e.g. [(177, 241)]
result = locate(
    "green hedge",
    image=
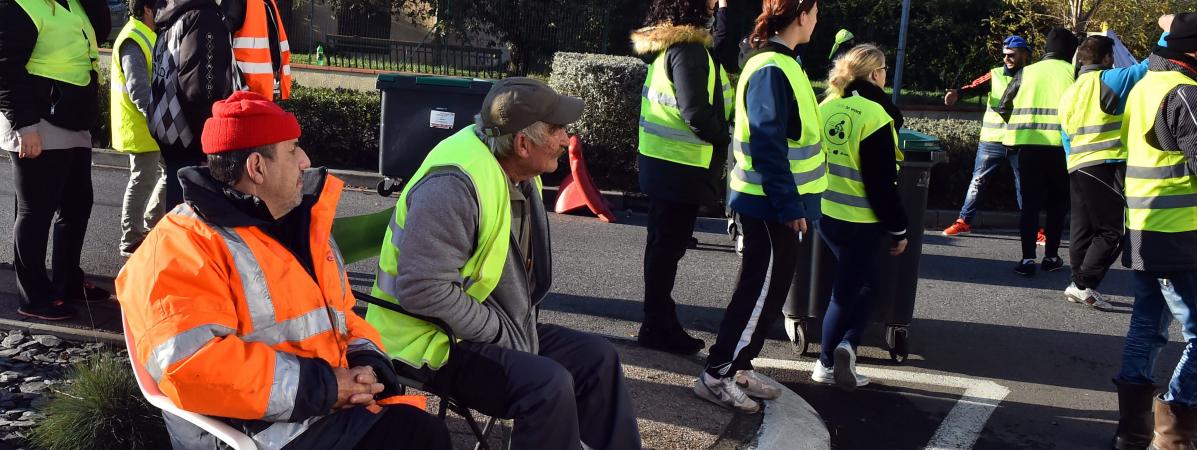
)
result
[(340, 126), (950, 181), (610, 86)]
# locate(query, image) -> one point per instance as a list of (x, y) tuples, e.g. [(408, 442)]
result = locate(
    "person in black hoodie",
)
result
[(193, 68), (683, 143), (861, 205), (48, 100)]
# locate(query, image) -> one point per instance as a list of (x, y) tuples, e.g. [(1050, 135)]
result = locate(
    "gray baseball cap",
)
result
[(516, 103)]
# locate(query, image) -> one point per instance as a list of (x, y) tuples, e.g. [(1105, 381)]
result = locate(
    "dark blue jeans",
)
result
[(990, 156), (856, 249), (1158, 299)]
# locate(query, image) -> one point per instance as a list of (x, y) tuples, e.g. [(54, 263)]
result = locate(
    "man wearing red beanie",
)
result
[(238, 303)]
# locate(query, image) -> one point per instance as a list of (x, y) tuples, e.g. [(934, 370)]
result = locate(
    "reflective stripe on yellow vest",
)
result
[(1094, 136), (415, 341), (993, 126), (808, 164), (59, 54), (130, 132), (251, 47), (846, 122), (663, 133), (1161, 191), (1035, 119)]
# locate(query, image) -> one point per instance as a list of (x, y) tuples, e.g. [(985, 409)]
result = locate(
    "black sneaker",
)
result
[(1052, 264), (53, 311), (95, 294), (1025, 268), (674, 340)]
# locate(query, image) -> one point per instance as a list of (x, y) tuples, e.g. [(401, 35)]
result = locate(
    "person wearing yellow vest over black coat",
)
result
[(48, 88), (1029, 106), (469, 246), (861, 205), (775, 186), (1160, 133), (129, 100), (683, 135)]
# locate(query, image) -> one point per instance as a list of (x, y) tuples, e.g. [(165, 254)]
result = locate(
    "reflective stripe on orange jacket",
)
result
[(251, 47), (224, 316)]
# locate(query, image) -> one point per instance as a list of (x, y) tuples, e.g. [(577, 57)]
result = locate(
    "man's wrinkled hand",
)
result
[(356, 387)]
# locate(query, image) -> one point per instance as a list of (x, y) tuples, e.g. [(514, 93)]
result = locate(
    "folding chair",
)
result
[(360, 237), (149, 389)]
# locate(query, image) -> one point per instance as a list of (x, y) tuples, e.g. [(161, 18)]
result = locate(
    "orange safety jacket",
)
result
[(224, 316), (251, 47)]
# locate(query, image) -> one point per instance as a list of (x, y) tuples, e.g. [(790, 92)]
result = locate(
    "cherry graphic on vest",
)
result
[(578, 190)]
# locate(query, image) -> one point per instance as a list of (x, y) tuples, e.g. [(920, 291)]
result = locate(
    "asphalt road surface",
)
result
[(979, 330)]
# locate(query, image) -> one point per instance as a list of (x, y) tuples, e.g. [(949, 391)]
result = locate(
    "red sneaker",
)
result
[(958, 227)]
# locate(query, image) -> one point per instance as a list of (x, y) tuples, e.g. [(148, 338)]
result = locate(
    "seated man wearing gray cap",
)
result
[(469, 246)]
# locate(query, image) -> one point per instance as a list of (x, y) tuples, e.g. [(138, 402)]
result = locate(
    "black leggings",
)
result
[(1043, 173), (54, 187)]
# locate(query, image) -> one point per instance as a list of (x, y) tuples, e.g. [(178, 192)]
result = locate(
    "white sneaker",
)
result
[(724, 392), (822, 374), (845, 368), (755, 387), (1088, 297)]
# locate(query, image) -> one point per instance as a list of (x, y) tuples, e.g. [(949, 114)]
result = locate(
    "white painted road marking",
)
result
[(963, 424)]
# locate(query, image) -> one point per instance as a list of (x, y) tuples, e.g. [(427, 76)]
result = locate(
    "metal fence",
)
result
[(521, 40)]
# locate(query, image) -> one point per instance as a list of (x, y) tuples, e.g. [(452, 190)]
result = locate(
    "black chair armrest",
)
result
[(444, 327)]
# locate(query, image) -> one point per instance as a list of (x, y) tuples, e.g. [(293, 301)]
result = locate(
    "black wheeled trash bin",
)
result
[(418, 112), (894, 305)]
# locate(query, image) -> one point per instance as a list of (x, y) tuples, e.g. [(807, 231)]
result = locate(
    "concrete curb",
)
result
[(791, 423), (69, 333)]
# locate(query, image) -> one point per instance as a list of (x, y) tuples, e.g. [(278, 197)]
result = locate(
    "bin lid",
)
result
[(391, 81), (910, 140)]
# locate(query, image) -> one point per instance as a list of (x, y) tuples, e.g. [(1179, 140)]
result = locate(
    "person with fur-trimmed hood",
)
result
[(684, 112)]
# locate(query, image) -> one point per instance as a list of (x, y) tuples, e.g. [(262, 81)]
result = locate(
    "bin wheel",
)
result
[(739, 244), (796, 330), (731, 228), (898, 339), (386, 187)]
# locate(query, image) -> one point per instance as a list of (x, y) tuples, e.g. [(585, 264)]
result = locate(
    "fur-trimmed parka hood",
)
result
[(655, 39)]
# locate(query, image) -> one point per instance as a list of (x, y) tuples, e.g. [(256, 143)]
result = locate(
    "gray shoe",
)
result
[(845, 368), (726, 393)]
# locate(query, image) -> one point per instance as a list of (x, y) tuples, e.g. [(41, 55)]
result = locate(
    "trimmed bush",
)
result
[(610, 86), (101, 407), (340, 126), (950, 181)]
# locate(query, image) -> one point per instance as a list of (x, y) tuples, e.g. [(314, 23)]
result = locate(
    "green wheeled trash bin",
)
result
[(418, 112), (894, 306)]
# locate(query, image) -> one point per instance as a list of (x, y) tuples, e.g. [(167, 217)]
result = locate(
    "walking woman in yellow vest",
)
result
[(861, 206), (684, 111), (129, 100), (1029, 106), (779, 174), (48, 88), (1160, 133)]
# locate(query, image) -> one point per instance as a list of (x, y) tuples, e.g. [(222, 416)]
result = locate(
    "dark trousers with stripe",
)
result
[(855, 246), (766, 271), (1097, 221), (1043, 173)]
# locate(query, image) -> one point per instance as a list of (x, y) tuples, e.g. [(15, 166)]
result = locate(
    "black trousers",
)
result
[(670, 226), (53, 188), (766, 272), (1097, 221), (1043, 175), (174, 189), (572, 392)]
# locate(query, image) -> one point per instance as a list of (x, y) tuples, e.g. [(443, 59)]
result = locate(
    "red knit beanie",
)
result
[(246, 120)]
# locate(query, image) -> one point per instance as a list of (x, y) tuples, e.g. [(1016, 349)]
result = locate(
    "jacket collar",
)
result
[(1092, 68), (657, 38), (224, 206), (871, 92)]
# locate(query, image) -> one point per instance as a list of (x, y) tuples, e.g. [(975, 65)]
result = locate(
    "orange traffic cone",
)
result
[(577, 190)]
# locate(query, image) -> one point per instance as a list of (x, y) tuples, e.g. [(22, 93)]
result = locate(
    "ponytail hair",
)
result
[(775, 16), (856, 63)]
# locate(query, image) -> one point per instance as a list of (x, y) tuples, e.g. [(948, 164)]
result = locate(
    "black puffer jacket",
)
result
[(193, 68), (25, 99), (687, 50)]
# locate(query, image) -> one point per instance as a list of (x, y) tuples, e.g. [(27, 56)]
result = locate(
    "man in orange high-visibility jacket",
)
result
[(240, 308), (260, 46)]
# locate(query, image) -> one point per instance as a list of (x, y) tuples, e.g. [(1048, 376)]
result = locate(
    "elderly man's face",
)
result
[(542, 158)]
